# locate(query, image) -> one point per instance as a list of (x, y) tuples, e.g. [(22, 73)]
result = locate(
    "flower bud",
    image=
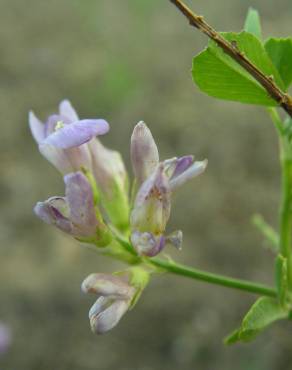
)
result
[(62, 139), (144, 152), (75, 213), (112, 181)]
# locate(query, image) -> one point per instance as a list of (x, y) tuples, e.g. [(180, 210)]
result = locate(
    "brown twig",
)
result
[(283, 99)]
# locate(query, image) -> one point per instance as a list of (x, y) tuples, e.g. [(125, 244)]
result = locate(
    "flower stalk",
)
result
[(215, 279)]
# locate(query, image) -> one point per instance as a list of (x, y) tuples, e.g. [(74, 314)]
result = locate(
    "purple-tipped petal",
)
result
[(79, 197), (105, 314), (107, 285), (144, 152), (54, 211), (66, 109), (194, 170), (57, 157), (146, 244), (37, 128), (77, 133)]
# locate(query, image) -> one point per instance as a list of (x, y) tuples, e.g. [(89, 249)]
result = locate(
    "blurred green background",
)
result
[(126, 61)]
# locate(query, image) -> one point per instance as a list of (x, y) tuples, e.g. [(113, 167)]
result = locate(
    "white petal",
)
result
[(37, 128)]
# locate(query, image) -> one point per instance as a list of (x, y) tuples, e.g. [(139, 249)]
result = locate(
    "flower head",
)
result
[(75, 213), (152, 204), (62, 138)]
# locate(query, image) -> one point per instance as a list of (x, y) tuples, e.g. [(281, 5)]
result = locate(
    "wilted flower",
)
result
[(115, 295), (5, 338), (76, 213), (62, 139), (152, 205)]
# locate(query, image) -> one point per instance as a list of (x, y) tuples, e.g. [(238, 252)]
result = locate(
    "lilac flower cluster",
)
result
[(96, 208)]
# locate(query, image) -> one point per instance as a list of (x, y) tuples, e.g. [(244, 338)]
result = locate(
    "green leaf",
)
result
[(253, 23), (268, 232), (262, 313), (218, 75), (280, 52), (281, 278)]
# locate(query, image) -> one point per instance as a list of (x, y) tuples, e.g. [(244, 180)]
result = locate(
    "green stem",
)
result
[(276, 120), (285, 211), (178, 269), (216, 279)]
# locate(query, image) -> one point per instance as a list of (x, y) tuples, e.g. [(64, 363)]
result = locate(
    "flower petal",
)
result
[(152, 204), (79, 157), (183, 163), (66, 109), (146, 244), (77, 133), (54, 211), (105, 314), (107, 285), (57, 157), (80, 200), (52, 122), (37, 128), (196, 169), (144, 152)]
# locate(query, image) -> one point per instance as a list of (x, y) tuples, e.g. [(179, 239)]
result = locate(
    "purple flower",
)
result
[(5, 338), (152, 204), (115, 295), (76, 213), (62, 139)]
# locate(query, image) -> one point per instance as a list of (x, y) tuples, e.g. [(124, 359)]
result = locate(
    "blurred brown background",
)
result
[(125, 61)]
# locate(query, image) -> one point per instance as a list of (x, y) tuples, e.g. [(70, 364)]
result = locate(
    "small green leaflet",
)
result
[(220, 76), (252, 23), (262, 313), (280, 52)]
